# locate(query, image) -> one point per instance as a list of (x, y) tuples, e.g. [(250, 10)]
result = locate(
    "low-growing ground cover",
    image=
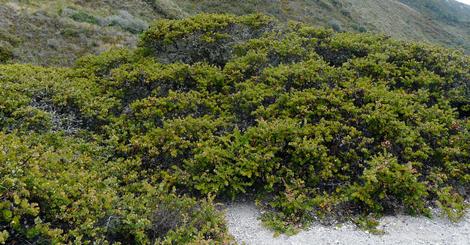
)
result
[(135, 146)]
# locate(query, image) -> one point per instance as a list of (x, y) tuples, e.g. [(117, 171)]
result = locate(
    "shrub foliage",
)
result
[(132, 146)]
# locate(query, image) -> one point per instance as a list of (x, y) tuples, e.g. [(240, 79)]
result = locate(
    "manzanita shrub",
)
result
[(135, 146)]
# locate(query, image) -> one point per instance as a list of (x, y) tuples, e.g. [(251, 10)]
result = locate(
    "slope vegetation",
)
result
[(134, 146), (56, 33)]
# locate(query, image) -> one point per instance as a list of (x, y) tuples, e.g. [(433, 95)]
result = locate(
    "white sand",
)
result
[(246, 228)]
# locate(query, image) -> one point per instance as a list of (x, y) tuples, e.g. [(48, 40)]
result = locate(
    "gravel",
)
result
[(244, 225)]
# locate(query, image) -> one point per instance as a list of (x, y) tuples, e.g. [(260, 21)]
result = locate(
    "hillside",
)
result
[(140, 146), (53, 32)]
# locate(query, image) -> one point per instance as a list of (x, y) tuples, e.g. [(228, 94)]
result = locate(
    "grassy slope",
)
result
[(56, 32), (413, 20)]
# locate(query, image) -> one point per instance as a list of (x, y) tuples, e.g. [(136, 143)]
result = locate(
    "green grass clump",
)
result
[(6, 51), (134, 146), (81, 16)]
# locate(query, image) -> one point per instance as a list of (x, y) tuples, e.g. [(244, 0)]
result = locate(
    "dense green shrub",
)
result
[(207, 38), (56, 189), (133, 146)]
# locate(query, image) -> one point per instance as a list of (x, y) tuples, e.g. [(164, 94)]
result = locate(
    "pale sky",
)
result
[(464, 1)]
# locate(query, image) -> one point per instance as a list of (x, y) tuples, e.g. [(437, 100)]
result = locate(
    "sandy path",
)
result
[(246, 228)]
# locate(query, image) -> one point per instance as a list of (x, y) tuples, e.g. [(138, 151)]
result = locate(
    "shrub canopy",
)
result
[(133, 146)]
